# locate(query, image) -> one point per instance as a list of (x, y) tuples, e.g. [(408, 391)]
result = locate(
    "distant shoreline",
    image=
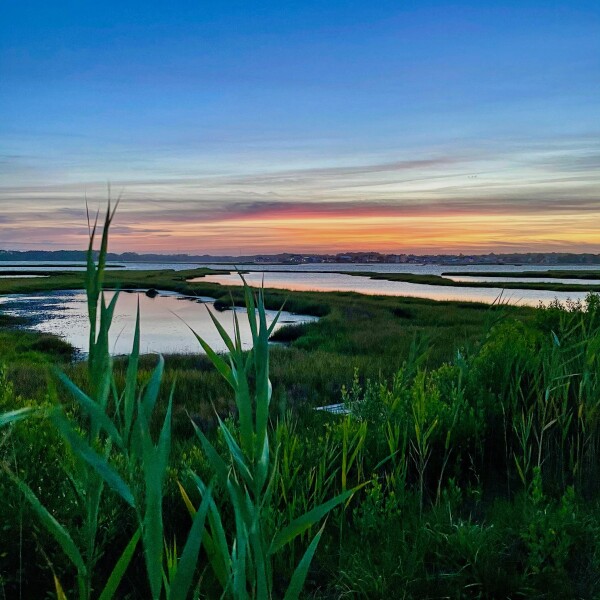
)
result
[(123, 263), (541, 259)]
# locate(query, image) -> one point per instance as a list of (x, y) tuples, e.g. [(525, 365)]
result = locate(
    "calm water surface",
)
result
[(326, 277), (164, 320), (484, 279), (21, 276), (337, 282), (306, 268)]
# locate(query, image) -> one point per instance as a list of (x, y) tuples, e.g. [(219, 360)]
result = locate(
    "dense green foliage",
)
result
[(473, 432)]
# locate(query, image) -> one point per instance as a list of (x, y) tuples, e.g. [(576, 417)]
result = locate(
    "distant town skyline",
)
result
[(69, 258), (306, 127)]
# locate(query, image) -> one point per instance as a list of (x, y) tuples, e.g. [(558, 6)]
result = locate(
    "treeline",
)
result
[(529, 258)]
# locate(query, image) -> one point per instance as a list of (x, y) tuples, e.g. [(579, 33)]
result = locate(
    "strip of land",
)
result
[(169, 279), (443, 280), (507, 285), (552, 274)]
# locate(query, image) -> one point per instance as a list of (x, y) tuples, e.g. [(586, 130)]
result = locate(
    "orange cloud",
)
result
[(313, 231), (537, 198)]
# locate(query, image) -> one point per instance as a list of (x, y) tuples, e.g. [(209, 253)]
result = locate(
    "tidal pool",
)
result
[(165, 320)]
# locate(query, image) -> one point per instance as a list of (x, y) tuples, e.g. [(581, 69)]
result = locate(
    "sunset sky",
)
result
[(238, 127)]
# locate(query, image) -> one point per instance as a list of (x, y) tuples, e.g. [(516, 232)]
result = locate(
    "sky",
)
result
[(246, 127)]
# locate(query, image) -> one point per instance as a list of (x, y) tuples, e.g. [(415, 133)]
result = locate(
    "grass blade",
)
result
[(150, 395), (60, 593), (152, 522), (189, 557), (214, 458), (236, 454), (97, 462), (96, 413), (110, 589), (131, 377), (301, 571), (58, 532), (224, 335), (216, 546), (307, 520)]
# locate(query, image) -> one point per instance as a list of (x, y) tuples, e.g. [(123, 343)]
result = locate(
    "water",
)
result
[(326, 277), (337, 282), (164, 320), (425, 269), (484, 279), (41, 266), (429, 269), (21, 276)]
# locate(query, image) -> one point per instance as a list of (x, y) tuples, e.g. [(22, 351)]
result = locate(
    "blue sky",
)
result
[(230, 113)]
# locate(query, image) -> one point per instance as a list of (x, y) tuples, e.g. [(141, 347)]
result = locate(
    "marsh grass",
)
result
[(471, 455), (113, 447), (250, 471), (445, 280), (113, 427)]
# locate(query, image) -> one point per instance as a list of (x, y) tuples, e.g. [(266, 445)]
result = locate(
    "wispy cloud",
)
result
[(528, 195)]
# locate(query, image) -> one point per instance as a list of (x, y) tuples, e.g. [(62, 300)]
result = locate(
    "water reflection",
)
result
[(337, 282), (424, 269), (21, 276), (164, 320), (497, 280)]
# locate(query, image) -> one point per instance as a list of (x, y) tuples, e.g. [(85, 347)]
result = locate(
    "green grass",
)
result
[(474, 435), (179, 281), (445, 279), (373, 334)]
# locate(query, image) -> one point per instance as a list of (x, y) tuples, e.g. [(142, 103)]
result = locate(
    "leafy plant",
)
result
[(115, 427), (249, 471)]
